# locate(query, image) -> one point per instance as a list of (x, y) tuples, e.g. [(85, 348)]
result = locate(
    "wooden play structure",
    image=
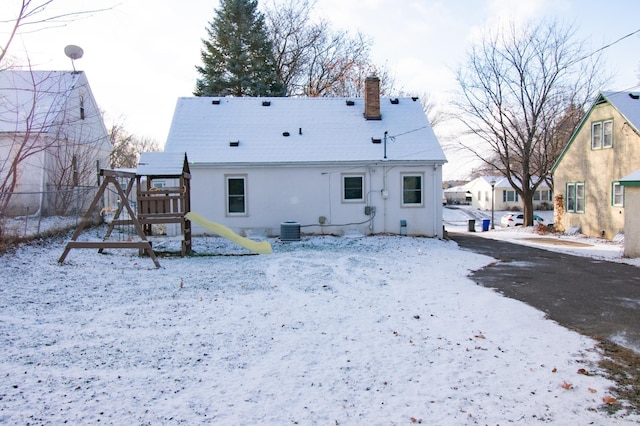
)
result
[(162, 184)]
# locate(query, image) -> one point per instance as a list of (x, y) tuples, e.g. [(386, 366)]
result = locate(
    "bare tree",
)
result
[(127, 147), (435, 115), (29, 16), (313, 60), (517, 86)]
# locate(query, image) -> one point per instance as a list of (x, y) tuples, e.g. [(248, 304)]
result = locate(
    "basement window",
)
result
[(374, 140), (215, 102), (394, 101), (234, 143), (350, 103), (266, 103)]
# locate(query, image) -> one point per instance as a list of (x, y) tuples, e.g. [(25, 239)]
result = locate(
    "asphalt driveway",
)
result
[(594, 297)]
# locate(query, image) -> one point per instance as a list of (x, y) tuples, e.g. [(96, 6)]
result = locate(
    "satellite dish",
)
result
[(73, 52)]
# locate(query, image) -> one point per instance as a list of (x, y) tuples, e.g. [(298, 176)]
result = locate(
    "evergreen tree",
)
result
[(237, 58)]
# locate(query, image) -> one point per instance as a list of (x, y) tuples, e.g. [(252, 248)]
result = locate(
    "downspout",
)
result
[(435, 199)]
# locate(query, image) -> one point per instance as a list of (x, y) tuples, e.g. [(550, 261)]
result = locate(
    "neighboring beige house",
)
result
[(506, 197), (604, 149), (332, 165), (52, 142)]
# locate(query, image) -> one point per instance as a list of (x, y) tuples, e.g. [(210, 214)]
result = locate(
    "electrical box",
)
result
[(369, 210)]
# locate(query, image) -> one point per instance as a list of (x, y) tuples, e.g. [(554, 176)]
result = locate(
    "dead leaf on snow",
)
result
[(610, 400), (566, 385)]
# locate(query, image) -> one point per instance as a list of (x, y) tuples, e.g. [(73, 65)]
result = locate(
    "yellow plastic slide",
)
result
[(262, 247)]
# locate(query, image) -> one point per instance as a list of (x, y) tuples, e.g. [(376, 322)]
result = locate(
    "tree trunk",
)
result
[(527, 202)]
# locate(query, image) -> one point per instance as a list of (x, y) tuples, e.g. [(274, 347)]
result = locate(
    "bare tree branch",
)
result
[(32, 16)]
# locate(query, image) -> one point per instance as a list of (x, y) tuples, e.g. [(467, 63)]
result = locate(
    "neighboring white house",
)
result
[(333, 165), (52, 141), (457, 195), (506, 197)]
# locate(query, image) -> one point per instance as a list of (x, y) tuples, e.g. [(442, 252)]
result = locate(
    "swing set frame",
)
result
[(155, 206)]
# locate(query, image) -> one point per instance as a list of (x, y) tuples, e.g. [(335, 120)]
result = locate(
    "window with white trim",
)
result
[(509, 195), (412, 190), (579, 197), (617, 194), (575, 197), (542, 195), (353, 188), (602, 134), (236, 188)]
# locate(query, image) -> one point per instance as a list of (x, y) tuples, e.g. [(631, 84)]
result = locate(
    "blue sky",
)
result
[(140, 56)]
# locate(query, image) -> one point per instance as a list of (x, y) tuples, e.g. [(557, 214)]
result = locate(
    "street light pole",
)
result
[(493, 193)]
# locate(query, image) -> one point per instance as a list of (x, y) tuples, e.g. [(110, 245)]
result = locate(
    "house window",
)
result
[(575, 197), (81, 107), (602, 134), (353, 188), (509, 195), (542, 195), (236, 195), (618, 194), (579, 197), (412, 190), (607, 134)]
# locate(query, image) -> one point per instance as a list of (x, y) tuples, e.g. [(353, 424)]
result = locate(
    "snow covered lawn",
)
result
[(377, 330)]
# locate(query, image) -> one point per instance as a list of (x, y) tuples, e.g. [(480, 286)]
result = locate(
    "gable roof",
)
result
[(35, 99), (626, 103), (293, 130)]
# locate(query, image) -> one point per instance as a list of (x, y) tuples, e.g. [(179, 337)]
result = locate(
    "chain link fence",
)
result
[(35, 214)]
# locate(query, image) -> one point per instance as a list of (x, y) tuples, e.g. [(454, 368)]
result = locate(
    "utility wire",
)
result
[(604, 47)]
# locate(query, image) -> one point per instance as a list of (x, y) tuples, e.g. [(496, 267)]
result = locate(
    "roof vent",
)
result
[(285, 134), (215, 102), (395, 101), (373, 140), (634, 96), (266, 103), (234, 143), (350, 103)]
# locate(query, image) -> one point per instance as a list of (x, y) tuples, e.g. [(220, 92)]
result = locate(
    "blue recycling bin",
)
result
[(485, 224)]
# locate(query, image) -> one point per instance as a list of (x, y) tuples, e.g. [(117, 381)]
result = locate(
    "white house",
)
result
[(52, 141), (333, 165), (506, 197)]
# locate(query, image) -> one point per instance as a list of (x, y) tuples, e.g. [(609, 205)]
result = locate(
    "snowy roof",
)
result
[(627, 103), (500, 182), (39, 94), (162, 164), (292, 130), (631, 179)]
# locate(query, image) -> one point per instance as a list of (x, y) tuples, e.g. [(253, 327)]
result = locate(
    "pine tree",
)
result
[(238, 58)]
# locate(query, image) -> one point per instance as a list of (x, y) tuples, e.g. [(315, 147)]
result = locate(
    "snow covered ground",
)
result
[(376, 330)]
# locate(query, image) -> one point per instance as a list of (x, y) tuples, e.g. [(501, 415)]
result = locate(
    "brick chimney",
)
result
[(372, 98)]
